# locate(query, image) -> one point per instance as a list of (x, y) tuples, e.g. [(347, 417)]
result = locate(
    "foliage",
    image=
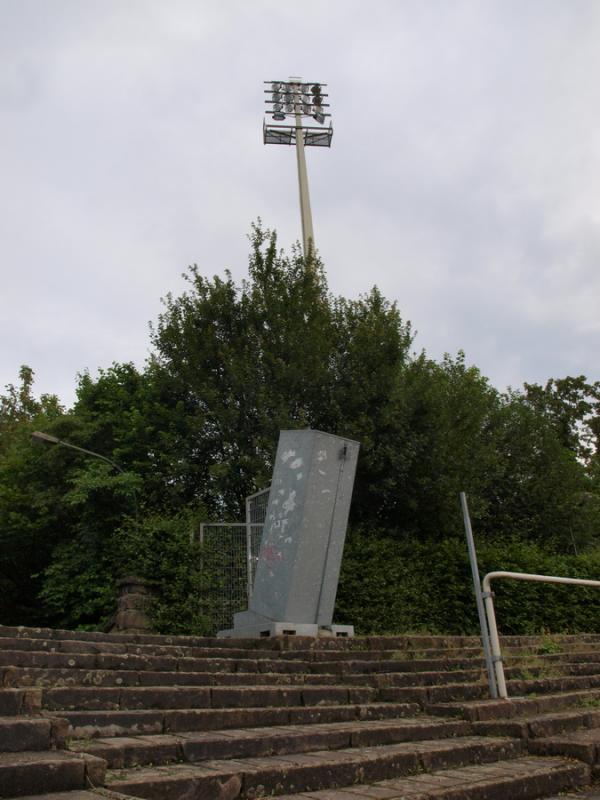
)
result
[(194, 431), (391, 586)]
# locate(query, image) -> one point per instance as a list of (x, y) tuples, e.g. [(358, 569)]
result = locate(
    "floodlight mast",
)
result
[(293, 96), (308, 236)]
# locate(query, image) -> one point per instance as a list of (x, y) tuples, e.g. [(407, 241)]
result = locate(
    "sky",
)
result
[(463, 178)]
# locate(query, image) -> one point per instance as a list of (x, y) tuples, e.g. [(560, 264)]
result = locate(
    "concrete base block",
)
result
[(271, 628)]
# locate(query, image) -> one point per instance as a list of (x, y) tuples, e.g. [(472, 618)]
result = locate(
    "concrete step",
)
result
[(518, 779), (126, 752), (93, 724), (32, 772), (309, 772)]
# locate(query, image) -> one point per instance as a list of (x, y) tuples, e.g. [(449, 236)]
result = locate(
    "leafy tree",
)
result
[(238, 364), (195, 430)]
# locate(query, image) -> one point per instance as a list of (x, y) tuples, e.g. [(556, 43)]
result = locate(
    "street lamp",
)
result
[(46, 438), (299, 100)]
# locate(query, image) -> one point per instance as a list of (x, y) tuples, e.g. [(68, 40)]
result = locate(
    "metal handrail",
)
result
[(485, 636), (488, 598)]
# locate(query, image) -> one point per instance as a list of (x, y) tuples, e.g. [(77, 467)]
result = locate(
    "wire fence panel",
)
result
[(256, 514), (229, 557), (225, 563)]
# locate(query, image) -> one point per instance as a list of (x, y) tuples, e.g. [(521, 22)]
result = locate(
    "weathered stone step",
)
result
[(44, 659), (218, 697), (542, 725), (33, 772), (18, 701), (486, 710), (578, 664), (402, 641), (552, 669), (522, 778), (72, 646), (77, 794), (38, 677), (174, 697), (21, 733), (563, 683), (517, 691), (583, 745), (92, 724), (16, 677), (134, 661), (310, 772), (125, 752), (583, 664)]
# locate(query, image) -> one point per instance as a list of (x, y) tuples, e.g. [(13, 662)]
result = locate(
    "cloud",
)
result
[(464, 176)]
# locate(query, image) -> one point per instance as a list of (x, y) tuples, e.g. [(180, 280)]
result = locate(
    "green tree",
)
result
[(195, 431)]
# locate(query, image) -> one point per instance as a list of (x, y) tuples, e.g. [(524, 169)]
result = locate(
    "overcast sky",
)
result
[(463, 177)]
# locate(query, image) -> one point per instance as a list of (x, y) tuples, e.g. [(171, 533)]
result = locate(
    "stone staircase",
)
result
[(85, 716)]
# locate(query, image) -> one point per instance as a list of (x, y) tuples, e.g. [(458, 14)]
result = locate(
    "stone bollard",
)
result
[(132, 616)]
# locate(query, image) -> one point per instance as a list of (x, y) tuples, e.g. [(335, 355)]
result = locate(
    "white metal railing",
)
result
[(488, 598), (485, 602), (485, 636)]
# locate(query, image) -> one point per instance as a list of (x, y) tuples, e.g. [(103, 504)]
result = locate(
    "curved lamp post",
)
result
[(46, 438)]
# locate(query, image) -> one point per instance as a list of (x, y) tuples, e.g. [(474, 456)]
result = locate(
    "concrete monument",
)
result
[(303, 538)]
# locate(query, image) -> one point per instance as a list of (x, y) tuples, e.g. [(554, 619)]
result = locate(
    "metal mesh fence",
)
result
[(229, 556), (256, 513), (225, 563)]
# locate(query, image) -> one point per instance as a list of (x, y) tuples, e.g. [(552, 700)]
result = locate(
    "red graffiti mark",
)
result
[(271, 554)]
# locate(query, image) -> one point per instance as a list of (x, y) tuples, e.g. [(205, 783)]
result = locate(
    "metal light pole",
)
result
[(46, 438), (298, 100)]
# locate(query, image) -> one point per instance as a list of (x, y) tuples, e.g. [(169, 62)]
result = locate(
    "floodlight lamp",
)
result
[(276, 97), (277, 107), (276, 86), (279, 116), (319, 116), (306, 108)]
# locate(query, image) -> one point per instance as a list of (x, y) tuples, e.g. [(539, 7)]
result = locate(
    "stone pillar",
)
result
[(134, 596)]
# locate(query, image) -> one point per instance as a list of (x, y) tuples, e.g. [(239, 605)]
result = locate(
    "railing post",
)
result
[(249, 576), (495, 639), (491, 615), (485, 639)]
